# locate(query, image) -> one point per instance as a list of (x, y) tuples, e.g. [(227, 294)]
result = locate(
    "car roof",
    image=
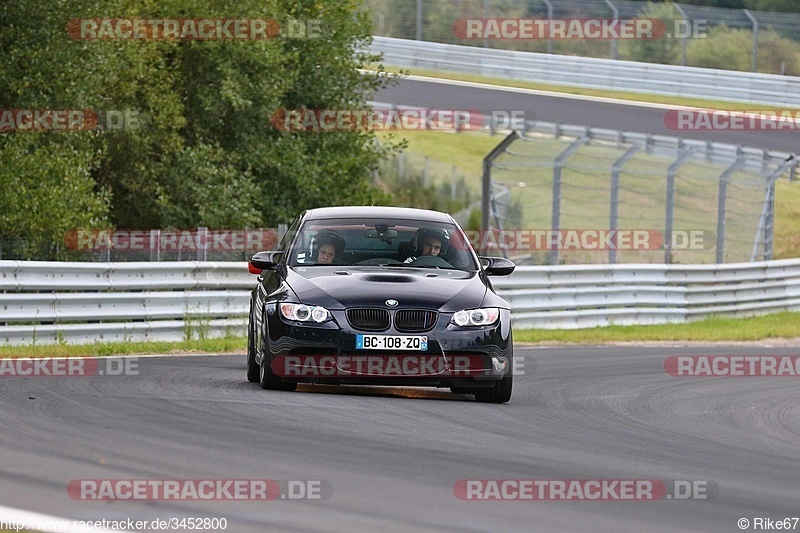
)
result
[(362, 211)]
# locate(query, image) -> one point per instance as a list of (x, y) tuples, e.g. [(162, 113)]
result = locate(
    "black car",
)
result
[(379, 296)]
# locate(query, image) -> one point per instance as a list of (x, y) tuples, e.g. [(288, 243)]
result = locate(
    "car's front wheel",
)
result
[(253, 371), (267, 379), (500, 392)]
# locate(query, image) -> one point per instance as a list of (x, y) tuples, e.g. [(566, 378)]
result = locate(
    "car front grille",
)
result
[(415, 320), (368, 319)]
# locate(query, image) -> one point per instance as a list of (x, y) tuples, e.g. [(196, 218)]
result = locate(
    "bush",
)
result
[(731, 49)]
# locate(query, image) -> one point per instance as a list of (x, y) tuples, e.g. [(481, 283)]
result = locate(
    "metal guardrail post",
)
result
[(672, 171), (486, 191), (755, 39), (722, 200), (557, 166), (614, 217)]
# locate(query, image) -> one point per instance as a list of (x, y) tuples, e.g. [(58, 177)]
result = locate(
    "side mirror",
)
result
[(264, 261), (497, 266)]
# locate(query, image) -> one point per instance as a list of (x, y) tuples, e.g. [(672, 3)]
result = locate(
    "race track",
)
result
[(569, 109), (393, 455)]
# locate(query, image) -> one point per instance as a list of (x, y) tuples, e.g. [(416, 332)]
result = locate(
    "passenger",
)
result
[(330, 247)]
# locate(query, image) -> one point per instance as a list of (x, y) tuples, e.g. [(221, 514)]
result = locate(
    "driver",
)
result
[(429, 242)]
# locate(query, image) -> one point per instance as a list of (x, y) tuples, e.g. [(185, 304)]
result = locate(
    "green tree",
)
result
[(205, 152), (664, 50)]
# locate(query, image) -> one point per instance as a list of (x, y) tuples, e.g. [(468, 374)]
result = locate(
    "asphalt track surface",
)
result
[(568, 109), (393, 455)]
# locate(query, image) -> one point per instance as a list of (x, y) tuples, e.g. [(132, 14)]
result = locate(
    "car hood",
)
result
[(338, 287)]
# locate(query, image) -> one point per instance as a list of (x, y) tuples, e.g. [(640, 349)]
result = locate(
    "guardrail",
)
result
[(580, 296), (46, 303), (647, 78)]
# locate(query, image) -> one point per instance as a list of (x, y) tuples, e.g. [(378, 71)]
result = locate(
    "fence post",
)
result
[(486, 192), (755, 39), (486, 16), (419, 20), (672, 171), (766, 222), (614, 42), (684, 38), (616, 168), (549, 17), (557, 166), (453, 173), (721, 202)]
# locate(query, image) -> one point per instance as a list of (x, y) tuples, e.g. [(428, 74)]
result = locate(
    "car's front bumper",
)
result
[(456, 357)]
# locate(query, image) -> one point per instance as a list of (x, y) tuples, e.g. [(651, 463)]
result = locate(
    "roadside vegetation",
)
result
[(200, 148), (779, 327), (102, 349)]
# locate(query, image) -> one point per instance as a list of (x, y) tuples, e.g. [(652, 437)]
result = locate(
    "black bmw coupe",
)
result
[(379, 296)]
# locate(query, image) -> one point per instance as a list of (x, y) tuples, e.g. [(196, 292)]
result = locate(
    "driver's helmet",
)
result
[(324, 237), (441, 234)]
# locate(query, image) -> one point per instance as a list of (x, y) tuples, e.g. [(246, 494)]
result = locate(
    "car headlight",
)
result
[(476, 317), (304, 313)]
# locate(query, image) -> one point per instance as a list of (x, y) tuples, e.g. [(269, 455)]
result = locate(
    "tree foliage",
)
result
[(205, 152)]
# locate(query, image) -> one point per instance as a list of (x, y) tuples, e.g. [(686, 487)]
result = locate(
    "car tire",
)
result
[(267, 379), (500, 392), (253, 371)]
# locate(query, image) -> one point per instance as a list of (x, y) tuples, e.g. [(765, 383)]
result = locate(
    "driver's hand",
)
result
[(409, 260)]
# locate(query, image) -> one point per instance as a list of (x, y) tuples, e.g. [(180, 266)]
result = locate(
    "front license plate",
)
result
[(391, 342)]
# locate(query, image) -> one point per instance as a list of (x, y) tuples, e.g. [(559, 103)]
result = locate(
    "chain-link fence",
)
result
[(765, 42), (570, 194)]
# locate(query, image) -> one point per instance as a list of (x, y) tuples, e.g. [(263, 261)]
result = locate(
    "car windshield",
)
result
[(388, 242)]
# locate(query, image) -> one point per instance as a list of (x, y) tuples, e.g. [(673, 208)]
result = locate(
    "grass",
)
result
[(221, 345), (784, 325)]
